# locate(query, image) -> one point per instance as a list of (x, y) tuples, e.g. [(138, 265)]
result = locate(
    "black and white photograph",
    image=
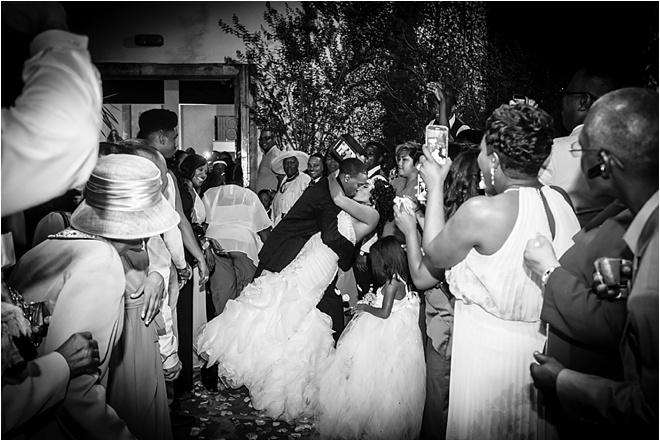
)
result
[(323, 220)]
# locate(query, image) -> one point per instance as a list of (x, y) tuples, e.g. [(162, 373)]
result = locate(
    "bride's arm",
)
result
[(363, 213)]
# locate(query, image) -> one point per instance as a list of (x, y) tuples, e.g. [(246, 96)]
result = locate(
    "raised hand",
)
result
[(335, 189), (404, 219), (433, 173)]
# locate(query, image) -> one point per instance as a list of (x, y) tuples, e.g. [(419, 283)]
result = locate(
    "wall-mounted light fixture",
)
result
[(149, 40)]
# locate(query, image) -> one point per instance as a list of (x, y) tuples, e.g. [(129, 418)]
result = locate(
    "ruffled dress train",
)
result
[(272, 339)]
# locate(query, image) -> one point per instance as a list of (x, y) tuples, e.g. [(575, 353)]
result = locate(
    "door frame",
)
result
[(171, 73)]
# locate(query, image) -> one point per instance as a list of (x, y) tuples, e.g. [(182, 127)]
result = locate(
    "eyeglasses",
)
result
[(564, 93), (576, 149)]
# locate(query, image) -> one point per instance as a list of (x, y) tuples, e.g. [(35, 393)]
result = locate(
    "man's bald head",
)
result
[(625, 122)]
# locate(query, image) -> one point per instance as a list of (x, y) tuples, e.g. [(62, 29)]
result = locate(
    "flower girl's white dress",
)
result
[(374, 385)]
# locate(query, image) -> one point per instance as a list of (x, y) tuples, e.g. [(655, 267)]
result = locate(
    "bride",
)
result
[(272, 338)]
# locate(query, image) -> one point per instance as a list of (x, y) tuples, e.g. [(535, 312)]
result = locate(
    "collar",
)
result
[(292, 178), (577, 129), (636, 227), (452, 120), (283, 186), (372, 171)]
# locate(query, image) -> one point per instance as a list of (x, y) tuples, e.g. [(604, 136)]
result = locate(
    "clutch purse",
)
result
[(34, 312)]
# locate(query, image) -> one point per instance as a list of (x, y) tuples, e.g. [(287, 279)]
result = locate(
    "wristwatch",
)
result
[(362, 253), (546, 275)]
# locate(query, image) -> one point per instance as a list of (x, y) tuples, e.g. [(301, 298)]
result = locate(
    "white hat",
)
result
[(278, 166), (123, 200)]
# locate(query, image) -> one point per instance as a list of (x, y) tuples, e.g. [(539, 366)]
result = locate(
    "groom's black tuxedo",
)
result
[(313, 212)]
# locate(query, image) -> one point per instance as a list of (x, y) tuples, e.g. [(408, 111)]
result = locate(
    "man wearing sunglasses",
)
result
[(562, 167)]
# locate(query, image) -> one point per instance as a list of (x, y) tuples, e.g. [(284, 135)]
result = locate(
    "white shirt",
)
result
[(563, 170), (50, 137), (235, 215), (173, 239), (287, 195)]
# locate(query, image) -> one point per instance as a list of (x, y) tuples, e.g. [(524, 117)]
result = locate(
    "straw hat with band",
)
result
[(278, 163), (123, 200)]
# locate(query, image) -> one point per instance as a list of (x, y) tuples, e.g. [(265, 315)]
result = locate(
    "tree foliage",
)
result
[(309, 85), (432, 41), (328, 68)]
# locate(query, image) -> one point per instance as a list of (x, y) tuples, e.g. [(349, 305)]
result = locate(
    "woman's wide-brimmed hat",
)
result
[(122, 200), (278, 163)]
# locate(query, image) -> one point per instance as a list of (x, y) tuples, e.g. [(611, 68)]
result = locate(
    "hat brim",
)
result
[(278, 163), (125, 225)]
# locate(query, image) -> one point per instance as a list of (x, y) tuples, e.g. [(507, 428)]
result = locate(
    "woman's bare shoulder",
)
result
[(487, 210)]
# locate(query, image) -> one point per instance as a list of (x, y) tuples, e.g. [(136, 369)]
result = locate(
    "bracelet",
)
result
[(546, 275)]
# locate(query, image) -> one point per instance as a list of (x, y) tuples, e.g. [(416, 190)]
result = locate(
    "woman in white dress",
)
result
[(497, 323), (272, 339)]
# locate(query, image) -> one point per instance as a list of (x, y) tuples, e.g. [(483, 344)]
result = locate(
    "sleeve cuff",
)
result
[(56, 363)]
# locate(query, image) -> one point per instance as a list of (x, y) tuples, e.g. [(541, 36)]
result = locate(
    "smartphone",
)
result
[(437, 140)]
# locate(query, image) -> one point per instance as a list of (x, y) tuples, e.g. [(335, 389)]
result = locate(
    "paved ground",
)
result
[(228, 414)]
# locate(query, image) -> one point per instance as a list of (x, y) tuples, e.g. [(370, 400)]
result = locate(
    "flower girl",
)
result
[(373, 386)]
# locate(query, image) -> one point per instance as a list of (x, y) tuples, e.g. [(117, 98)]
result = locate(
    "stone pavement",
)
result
[(228, 414)]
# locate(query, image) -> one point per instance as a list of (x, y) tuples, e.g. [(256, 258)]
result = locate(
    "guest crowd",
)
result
[(516, 297)]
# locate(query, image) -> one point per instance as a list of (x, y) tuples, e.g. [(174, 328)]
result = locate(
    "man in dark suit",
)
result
[(315, 211), (619, 146)]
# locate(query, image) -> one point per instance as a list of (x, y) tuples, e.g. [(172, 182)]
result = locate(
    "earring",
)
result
[(492, 176)]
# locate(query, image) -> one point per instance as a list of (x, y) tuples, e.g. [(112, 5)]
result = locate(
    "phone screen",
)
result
[(437, 140)]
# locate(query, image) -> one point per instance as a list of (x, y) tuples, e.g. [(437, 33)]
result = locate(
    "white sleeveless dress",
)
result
[(272, 339), (374, 385), (497, 328)]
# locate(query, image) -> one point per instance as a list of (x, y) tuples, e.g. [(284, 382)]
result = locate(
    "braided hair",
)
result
[(382, 197), (522, 137)]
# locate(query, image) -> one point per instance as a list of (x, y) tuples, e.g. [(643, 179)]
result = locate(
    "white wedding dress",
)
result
[(272, 339)]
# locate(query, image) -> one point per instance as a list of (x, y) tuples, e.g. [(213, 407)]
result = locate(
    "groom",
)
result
[(313, 212)]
